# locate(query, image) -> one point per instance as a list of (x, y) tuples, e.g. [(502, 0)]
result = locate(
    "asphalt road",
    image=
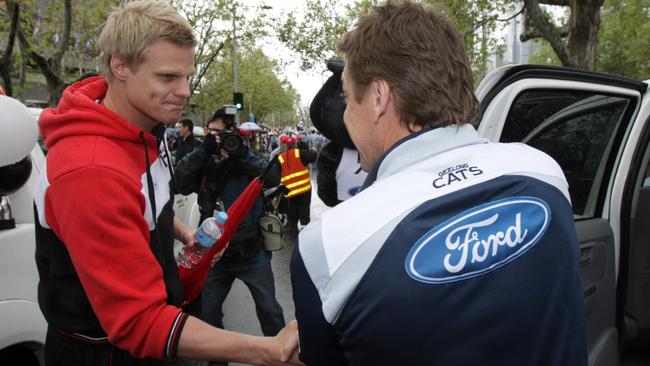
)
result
[(239, 309)]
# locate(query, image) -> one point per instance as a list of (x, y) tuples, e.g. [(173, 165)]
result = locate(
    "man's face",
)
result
[(183, 130), (157, 88), (358, 122), (216, 126)]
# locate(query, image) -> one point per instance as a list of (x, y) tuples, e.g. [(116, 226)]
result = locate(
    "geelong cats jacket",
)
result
[(457, 251)]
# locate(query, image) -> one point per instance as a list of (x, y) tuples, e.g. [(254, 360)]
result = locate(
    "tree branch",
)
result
[(40, 61), (65, 40), (197, 80), (14, 11), (555, 2), (6, 61), (496, 19), (548, 32), (536, 33)]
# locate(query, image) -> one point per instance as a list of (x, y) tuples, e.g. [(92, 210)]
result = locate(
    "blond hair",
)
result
[(420, 54), (135, 25)]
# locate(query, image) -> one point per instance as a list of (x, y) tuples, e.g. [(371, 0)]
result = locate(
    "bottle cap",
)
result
[(221, 217)]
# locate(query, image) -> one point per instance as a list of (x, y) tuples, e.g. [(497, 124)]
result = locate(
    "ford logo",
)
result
[(478, 240)]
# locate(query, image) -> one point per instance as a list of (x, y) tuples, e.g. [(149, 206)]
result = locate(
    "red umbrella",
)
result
[(195, 278)]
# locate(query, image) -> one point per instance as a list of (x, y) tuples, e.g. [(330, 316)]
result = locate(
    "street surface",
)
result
[(239, 308)]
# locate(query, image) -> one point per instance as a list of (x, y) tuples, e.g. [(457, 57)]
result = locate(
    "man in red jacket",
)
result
[(109, 285)]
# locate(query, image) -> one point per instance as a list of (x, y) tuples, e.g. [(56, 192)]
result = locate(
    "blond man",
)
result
[(109, 286), (457, 251)]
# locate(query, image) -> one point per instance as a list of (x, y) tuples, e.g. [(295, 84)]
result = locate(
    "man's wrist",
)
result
[(261, 350)]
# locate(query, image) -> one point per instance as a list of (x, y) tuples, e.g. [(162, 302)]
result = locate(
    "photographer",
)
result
[(220, 169)]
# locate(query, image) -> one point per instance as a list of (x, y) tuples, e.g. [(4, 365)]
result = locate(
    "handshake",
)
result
[(228, 140)]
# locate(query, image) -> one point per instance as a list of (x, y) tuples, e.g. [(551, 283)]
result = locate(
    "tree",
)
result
[(213, 23), (624, 39), (51, 66), (6, 58), (580, 30), (207, 20), (55, 38), (264, 92), (313, 35), (477, 22)]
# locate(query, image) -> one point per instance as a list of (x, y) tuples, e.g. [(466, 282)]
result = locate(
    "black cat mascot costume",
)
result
[(339, 173)]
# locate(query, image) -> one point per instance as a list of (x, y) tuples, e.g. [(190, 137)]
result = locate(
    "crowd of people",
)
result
[(399, 272)]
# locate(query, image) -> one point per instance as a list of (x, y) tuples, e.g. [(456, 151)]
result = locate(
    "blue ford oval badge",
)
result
[(478, 241)]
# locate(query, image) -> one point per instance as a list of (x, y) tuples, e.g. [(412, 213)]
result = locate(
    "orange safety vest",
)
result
[(295, 176)]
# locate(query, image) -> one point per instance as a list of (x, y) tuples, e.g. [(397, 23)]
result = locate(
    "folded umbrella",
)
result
[(194, 278)]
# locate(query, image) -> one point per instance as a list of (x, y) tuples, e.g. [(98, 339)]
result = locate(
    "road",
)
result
[(239, 309)]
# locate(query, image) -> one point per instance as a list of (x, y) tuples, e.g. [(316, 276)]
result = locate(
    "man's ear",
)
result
[(381, 95), (118, 67)]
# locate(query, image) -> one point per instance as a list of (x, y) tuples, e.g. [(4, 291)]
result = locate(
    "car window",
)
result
[(578, 129)]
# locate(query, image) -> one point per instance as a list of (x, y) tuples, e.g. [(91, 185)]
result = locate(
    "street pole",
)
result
[(234, 56)]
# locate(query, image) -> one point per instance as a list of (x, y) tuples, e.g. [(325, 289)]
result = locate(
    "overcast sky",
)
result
[(306, 83)]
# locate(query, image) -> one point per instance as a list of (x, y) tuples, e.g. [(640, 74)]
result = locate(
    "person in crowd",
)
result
[(217, 174), (294, 162), (273, 141), (186, 141), (457, 250), (109, 284)]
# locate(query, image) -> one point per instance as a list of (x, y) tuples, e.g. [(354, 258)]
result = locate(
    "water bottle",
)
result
[(207, 234)]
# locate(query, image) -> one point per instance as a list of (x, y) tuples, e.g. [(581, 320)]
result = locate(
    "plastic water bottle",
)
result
[(207, 234)]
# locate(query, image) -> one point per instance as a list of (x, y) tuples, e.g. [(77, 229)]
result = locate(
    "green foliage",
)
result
[(313, 36), (265, 93), (543, 54), (213, 23), (44, 25), (477, 22), (624, 39)]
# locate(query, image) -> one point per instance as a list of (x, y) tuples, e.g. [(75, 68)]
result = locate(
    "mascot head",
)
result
[(326, 110)]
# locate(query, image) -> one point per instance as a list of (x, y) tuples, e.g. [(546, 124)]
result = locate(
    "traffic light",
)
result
[(238, 100)]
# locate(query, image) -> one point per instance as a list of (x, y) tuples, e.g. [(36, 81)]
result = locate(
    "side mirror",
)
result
[(15, 146), (14, 176)]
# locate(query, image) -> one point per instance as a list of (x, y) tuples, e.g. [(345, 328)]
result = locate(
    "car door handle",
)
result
[(589, 297), (587, 252)]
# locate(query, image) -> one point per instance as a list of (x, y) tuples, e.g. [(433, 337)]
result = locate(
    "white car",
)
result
[(597, 127), (22, 325)]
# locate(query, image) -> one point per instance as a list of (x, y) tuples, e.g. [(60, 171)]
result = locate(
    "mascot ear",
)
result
[(327, 107), (336, 66)]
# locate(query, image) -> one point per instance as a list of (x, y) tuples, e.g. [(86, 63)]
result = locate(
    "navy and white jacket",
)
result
[(457, 252)]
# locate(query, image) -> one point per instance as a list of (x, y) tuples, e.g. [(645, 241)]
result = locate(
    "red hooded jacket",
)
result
[(107, 270)]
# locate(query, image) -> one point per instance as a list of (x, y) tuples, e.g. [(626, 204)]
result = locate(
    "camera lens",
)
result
[(231, 143)]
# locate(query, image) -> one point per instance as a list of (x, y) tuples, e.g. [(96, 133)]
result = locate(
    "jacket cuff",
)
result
[(171, 346)]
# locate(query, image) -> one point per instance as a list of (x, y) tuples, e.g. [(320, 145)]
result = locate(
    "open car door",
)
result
[(586, 122)]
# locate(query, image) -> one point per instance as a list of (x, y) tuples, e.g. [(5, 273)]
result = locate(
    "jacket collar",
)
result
[(421, 146)]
